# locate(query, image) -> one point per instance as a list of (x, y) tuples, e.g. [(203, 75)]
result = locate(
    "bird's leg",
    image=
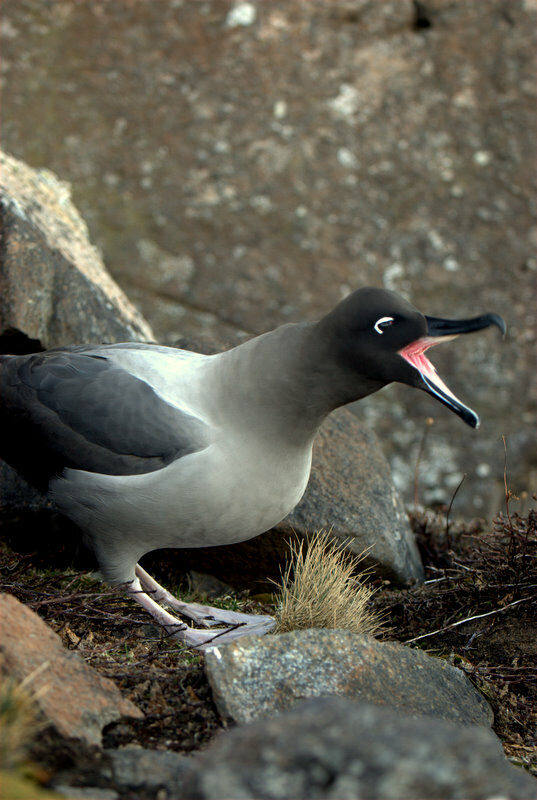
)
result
[(172, 625), (202, 615), (180, 630)]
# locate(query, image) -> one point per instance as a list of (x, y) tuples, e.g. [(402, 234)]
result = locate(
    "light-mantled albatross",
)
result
[(146, 447)]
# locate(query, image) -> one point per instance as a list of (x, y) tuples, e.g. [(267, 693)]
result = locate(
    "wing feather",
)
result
[(80, 410)]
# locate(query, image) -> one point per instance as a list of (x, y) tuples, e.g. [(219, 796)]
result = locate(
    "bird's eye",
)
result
[(382, 323)]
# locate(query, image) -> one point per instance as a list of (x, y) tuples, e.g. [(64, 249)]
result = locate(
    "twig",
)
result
[(58, 600), (448, 537), (469, 619), (461, 566), (508, 493)]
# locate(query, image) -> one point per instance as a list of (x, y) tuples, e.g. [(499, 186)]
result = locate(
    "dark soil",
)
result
[(488, 574)]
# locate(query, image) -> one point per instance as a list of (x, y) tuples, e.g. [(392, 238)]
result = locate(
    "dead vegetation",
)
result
[(478, 608), (321, 588), (19, 723)]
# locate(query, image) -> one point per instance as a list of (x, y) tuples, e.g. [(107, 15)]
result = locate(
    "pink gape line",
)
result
[(414, 354)]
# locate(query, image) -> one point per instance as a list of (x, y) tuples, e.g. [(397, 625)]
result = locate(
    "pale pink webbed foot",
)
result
[(149, 594)]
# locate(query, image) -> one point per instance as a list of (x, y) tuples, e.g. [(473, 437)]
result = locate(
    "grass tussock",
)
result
[(19, 722), (320, 589)]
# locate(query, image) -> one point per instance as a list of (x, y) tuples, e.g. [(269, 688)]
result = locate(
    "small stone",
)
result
[(221, 146), (280, 109), (261, 203), (8, 30), (392, 275), (435, 239), (207, 585), (346, 157), (85, 792), (347, 101), (136, 768), (451, 264), (243, 14), (482, 158), (111, 179)]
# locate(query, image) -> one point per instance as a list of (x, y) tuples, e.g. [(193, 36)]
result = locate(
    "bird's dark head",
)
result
[(379, 335)]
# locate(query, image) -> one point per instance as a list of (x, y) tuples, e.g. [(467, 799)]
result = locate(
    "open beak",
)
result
[(443, 330)]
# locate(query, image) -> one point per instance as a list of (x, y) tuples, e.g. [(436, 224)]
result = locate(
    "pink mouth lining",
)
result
[(414, 354)]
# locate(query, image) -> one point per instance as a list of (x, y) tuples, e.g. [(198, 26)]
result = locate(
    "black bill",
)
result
[(439, 330)]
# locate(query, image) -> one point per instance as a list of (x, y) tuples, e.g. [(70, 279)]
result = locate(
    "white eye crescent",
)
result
[(383, 322)]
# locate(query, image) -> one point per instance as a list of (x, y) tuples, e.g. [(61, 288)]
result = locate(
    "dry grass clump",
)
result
[(18, 721), (319, 589)]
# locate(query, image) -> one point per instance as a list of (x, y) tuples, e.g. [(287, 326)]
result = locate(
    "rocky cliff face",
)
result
[(246, 164)]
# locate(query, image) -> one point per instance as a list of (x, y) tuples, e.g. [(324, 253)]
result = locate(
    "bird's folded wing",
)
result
[(79, 410)]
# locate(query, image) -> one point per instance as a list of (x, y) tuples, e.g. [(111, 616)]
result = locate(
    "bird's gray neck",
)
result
[(287, 381)]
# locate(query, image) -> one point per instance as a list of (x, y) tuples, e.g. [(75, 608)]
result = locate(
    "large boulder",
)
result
[(54, 288), (332, 748)]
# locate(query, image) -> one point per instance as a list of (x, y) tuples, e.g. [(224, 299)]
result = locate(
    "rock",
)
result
[(18, 498), (54, 288), (207, 585), (131, 771), (84, 792), (394, 152), (332, 748), (135, 769), (252, 676), (351, 493), (71, 696)]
